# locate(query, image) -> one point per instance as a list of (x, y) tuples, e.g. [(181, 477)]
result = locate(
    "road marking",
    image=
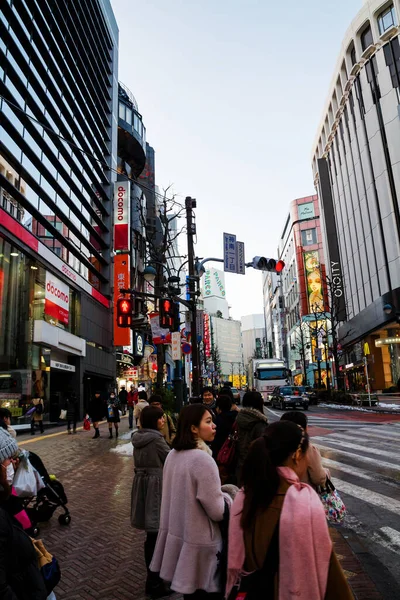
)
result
[(383, 431), (368, 449), (365, 495), (366, 459), (273, 412), (50, 435), (333, 464), (392, 534), (382, 441)]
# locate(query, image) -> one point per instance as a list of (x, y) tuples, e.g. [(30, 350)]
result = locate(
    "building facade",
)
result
[(254, 342), (274, 316), (226, 339), (58, 140), (355, 161), (303, 294)]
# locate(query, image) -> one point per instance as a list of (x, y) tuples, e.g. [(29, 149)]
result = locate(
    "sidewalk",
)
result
[(101, 556)]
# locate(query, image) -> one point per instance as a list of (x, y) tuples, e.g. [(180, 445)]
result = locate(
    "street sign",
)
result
[(240, 260), (176, 345), (230, 260)]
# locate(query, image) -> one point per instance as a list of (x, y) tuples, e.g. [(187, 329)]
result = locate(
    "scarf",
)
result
[(201, 445), (305, 546)]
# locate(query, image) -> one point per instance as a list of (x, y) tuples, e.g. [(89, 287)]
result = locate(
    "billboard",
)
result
[(122, 216), (56, 305), (214, 284), (315, 292), (122, 335)]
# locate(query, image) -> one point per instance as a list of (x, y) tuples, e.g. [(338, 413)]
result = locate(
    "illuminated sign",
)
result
[(122, 217), (122, 335), (314, 281), (56, 296), (387, 341)]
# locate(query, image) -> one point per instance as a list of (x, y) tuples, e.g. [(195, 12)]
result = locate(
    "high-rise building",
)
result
[(226, 340), (355, 161), (58, 140), (253, 338)]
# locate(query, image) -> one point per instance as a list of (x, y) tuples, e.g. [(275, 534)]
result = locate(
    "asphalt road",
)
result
[(362, 452)]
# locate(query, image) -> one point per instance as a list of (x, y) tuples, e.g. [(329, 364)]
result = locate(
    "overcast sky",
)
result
[(231, 93)]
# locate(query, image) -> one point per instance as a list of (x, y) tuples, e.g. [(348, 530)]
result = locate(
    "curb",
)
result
[(383, 411)]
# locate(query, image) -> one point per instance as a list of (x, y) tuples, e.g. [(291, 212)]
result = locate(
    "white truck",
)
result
[(265, 374)]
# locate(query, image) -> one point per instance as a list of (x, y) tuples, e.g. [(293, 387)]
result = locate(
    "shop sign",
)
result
[(159, 335), (56, 299), (306, 211), (122, 217), (122, 335), (139, 344), (55, 364), (387, 341), (176, 345), (207, 336), (125, 359)]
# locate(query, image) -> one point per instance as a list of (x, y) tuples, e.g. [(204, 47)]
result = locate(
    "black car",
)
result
[(288, 397), (311, 393)]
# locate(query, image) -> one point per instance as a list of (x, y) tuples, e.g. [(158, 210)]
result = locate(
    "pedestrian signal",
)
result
[(268, 264), (167, 313), (124, 312)]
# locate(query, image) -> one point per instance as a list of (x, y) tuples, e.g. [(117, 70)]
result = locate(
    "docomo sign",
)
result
[(56, 299), (122, 215)]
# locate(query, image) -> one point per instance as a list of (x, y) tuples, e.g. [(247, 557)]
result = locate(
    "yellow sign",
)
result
[(366, 349), (314, 281)]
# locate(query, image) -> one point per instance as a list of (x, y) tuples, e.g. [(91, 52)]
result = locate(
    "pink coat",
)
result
[(189, 538)]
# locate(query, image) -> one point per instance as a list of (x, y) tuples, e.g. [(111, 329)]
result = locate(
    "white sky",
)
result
[(231, 93)]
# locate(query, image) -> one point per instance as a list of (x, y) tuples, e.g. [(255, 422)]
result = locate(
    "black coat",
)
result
[(97, 409), (224, 422), (72, 408), (20, 578)]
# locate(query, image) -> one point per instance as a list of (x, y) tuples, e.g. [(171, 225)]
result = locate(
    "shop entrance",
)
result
[(60, 384)]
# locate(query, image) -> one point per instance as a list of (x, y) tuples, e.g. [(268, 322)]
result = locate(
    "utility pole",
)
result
[(190, 204)]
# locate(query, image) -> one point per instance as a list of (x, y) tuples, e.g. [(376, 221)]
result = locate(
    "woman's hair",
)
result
[(226, 391), (295, 416), (208, 389), (260, 477), (253, 400), (142, 395), (224, 403), (189, 416), (5, 414), (149, 417), (5, 488), (155, 398)]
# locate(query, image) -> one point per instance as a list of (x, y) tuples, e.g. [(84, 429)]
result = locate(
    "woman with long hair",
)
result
[(150, 452), (189, 544), (251, 424), (278, 535)]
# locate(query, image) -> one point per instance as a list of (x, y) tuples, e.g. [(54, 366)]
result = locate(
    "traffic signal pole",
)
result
[(190, 204)]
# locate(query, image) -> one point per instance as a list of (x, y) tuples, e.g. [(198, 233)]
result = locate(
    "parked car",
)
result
[(288, 397)]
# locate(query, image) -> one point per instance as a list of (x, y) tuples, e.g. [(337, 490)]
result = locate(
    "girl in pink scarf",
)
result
[(279, 541)]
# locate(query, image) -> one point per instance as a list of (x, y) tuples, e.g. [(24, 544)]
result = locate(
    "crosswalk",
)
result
[(364, 462)]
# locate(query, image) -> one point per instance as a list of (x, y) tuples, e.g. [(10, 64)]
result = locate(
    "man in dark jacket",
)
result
[(97, 410), (224, 421), (251, 424), (123, 398)]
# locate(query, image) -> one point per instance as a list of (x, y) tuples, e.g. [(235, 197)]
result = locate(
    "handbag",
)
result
[(227, 454), (86, 423), (63, 414), (48, 565), (335, 509)]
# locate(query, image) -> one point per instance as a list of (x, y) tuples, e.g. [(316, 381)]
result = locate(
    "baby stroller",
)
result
[(48, 499)]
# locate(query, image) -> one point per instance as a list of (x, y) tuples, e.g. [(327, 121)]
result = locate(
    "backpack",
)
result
[(227, 455)]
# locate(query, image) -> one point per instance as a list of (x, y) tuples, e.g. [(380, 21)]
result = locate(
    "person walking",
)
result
[(97, 411), (278, 531), (72, 411), (132, 400), (123, 398), (149, 453), (251, 424), (142, 403), (224, 421), (20, 578), (315, 474), (169, 429), (37, 416), (113, 406), (189, 543)]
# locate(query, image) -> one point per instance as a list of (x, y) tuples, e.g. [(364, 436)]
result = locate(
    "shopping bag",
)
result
[(335, 509), (63, 414), (227, 455), (25, 483), (110, 411), (86, 423)]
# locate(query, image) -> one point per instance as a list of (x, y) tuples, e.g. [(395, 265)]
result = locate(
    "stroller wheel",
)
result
[(64, 519), (34, 531)]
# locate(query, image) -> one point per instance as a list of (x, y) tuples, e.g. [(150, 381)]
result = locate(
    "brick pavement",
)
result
[(101, 556)]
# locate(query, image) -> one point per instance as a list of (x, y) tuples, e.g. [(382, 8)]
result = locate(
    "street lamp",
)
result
[(149, 274)]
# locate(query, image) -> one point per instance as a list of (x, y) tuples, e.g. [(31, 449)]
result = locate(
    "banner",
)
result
[(122, 335), (122, 216), (207, 335), (176, 345), (159, 335), (56, 305), (314, 281)]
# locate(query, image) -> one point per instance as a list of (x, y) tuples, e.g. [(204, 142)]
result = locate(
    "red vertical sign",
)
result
[(122, 335)]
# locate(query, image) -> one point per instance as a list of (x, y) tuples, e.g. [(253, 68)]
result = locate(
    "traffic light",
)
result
[(268, 264), (167, 313), (124, 312)]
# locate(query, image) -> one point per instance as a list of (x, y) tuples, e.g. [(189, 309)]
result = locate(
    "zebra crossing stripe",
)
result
[(367, 449), (365, 459), (382, 441), (355, 471), (365, 495), (392, 534), (395, 434)]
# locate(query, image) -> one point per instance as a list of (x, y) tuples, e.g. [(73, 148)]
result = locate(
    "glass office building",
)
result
[(58, 164)]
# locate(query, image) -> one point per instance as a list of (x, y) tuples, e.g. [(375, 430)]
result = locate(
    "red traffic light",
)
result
[(167, 313), (124, 312), (280, 265)]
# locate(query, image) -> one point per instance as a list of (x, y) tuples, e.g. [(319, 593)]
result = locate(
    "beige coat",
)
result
[(138, 409), (36, 416), (169, 430), (316, 474)]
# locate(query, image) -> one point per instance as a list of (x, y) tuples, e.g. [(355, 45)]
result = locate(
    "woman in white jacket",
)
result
[(189, 543)]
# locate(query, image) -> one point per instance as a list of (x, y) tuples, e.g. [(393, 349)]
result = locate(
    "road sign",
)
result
[(230, 260), (240, 260)]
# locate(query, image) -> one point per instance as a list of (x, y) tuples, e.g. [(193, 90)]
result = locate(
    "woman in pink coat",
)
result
[(189, 543)]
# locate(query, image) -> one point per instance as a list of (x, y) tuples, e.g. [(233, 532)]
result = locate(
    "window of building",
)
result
[(387, 19), (366, 38), (308, 237), (121, 113), (353, 56)]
